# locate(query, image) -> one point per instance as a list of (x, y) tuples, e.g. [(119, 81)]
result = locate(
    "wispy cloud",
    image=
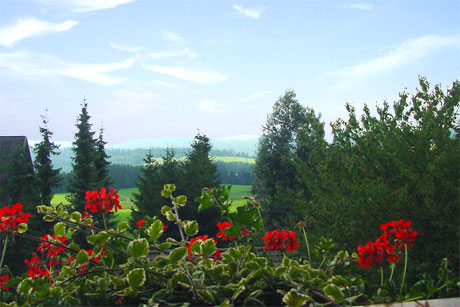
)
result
[(166, 84), (254, 12), (85, 5), (172, 37), (135, 101), (24, 64), (256, 96), (193, 75), (210, 106), (125, 48), (399, 56), (28, 27), (169, 54), (359, 6)]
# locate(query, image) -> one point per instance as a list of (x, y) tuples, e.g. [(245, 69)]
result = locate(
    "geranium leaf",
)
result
[(177, 254), (155, 230), (138, 248), (136, 278)]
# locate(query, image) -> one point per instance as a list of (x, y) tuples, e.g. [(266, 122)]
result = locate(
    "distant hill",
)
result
[(134, 151), (244, 144)]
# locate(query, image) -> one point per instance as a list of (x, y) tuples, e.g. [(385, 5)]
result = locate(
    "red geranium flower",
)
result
[(400, 232), (34, 268), (3, 279), (10, 217), (140, 222), (282, 240), (244, 232), (165, 227), (376, 253), (221, 234), (102, 201)]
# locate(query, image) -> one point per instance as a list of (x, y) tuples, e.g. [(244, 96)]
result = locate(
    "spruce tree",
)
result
[(47, 177), (84, 176), (101, 162), (200, 172)]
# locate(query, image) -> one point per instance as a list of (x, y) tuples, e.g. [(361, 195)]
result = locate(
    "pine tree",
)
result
[(200, 172), (47, 177), (83, 165), (101, 162)]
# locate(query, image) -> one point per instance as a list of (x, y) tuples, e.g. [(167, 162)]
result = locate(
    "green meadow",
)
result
[(237, 193)]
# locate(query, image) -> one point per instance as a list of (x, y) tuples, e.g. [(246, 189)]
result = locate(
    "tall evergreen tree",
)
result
[(84, 170), (101, 162), (47, 177), (200, 172)]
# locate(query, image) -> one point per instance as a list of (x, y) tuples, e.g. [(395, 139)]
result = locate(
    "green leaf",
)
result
[(165, 209), (22, 227), (48, 218), (138, 248), (177, 254), (59, 229), (82, 257), (42, 209), (165, 245), (181, 200), (136, 278), (74, 247), (334, 292), (75, 217), (102, 238), (208, 248), (206, 296), (122, 226), (191, 228), (295, 299), (155, 230)]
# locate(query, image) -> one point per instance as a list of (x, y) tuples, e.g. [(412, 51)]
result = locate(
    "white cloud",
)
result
[(210, 106), (24, 64), (197, 76), (135, 101), (125, 48), (85, 5), (167, 84), (254, 12), (169, 54), (359, 6), (256, 96), (27, 27), (172, 37), (402, 55)]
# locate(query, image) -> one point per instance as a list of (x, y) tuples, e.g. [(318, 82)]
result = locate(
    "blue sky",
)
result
[(155, 69)]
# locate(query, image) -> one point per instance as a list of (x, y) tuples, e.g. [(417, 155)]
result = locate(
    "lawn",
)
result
[(236, 195)]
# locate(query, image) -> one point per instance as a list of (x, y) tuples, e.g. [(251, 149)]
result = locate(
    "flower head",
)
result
[(102, 201), (282, 240), (11, 217)]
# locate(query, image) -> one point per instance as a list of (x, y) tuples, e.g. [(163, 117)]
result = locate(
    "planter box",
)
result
[(446, 302)]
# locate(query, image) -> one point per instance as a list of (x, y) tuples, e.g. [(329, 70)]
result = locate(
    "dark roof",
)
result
[(11, 147)]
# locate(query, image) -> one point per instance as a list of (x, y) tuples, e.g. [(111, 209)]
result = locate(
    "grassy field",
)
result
[(236, 195)]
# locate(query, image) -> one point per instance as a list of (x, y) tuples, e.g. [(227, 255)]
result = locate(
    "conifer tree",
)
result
[(200, 172), (101, 162), (47, 177)]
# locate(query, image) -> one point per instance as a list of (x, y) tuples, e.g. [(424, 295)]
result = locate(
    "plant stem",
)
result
[(392, 271), (381, 277), (3, 252), (306, 242), (405, 268), (103, 218)]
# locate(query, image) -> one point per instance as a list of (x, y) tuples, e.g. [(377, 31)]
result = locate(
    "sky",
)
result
[(166, 68)]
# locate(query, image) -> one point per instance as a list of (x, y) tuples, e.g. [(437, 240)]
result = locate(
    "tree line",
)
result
[(401, 163)]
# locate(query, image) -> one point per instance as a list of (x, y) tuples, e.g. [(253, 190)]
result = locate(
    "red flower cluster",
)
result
[(140, 222), (10, 217), (280, 240), (400, 231), (221, 234), (34, 268), (102, 201), (244, 232), (4, 278), (376, 253), (216, 255), (385, 248), (50, 250)]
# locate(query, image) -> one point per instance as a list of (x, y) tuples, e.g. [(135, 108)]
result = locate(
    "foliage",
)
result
[(403, 162), (120, 270), (47, 177), (277, 182)]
